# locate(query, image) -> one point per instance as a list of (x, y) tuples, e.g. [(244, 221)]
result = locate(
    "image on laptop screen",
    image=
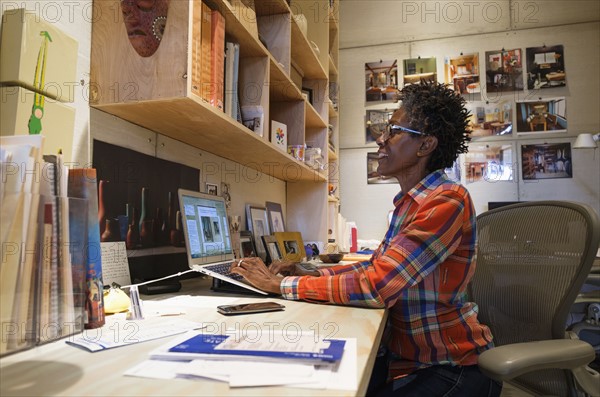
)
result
[(205, 227)]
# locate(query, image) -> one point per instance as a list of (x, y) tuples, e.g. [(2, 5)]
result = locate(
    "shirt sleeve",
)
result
[(432, 235)]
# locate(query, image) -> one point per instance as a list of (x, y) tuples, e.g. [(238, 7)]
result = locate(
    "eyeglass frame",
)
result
[(390, 131)]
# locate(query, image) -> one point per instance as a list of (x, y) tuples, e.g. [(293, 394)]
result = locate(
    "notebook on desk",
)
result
[(207, 238)]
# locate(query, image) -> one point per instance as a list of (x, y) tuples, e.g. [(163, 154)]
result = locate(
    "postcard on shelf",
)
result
[(265, 346), (252, 118), (279, 135)]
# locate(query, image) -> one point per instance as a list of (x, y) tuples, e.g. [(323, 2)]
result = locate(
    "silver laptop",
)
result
[(207, 238)]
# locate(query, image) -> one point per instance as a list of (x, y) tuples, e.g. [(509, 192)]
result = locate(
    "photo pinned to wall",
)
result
[(212, 189), (291, 245), (453, 172), (462, 73), (375, 123), (490, 118), (258, 223), (491, 162), (275, 216), (504, 70), (381, 81), (547, 115), (419, 69), (545, 67), (373, 177), (546, 161)]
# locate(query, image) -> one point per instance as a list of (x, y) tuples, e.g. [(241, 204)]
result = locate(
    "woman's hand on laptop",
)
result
[(256, 273)]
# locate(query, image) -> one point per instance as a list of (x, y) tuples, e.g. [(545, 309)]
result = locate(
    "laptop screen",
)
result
[(205, 227)]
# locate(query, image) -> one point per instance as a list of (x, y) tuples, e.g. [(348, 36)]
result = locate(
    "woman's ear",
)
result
[(428, 145)]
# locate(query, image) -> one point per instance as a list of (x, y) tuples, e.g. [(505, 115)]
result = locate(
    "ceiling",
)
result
[(377, 22)]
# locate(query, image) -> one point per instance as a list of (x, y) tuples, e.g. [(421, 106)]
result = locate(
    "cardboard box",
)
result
[(57, 120), (38, 56)]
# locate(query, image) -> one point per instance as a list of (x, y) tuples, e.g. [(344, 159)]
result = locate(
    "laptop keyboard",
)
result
[(223, 269)]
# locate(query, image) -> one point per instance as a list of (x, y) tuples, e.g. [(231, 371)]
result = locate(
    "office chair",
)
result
[(532, 259)]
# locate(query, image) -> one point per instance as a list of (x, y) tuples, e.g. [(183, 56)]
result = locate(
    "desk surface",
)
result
[(57, 369)]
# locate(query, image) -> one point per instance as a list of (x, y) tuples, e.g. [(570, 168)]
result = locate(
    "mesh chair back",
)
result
[(532, 259)]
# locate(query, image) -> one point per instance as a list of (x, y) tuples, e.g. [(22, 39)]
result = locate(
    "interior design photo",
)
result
[(545, 67), (462, 73), (381, 81), (543, 115), (504, 70), (546, 161), (375, 123), (417, 69), (491, 162), (490, 118)]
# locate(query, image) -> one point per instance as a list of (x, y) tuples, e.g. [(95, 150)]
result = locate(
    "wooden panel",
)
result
[(281, 86), (202, 126), (120, 74), (304, 55), (254, 88), (292, 115), (275, 30)]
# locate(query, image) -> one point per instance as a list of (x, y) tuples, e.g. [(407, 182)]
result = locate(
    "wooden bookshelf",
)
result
[(155, 92)]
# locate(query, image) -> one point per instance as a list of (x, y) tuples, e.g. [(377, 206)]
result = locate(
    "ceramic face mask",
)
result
[(145, 22)]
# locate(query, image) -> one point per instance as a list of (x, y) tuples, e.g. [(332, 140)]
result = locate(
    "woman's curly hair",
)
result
[(436, 110)]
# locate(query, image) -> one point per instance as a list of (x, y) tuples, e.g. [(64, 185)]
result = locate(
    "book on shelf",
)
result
[(254, 346), (205, 47), (217, 57), (83, 184)]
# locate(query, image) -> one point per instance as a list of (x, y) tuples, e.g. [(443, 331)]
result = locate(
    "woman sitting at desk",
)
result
[(422, 267)]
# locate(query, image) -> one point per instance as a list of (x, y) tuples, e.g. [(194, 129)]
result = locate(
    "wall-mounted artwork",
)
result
[(542, 115), (381, 81), (462, 73), (375, 123), (545, 67), (490, 118), (546, 161), (418, 69), (504, 70), (453, 172), (373, 177), (491, 162)]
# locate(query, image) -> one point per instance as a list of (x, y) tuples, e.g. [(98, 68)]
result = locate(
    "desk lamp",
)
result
[(586, 141)]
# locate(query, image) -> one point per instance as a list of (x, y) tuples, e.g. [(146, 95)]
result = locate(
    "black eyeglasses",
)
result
[(392, 129)]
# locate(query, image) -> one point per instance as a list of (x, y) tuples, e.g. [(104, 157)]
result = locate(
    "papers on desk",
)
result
[(241, 373), (118, 331)]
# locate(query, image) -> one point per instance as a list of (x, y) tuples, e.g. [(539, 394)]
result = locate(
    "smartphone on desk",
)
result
[(245, 308)]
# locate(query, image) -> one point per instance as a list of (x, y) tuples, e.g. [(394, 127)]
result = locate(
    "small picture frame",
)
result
[(279, 135), (275, 216), (272, 249), (258, 223), (307, 94), (291, 245), (212, 189), (247, 248)]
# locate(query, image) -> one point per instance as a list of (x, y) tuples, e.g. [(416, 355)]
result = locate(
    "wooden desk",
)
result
[(57, 369)]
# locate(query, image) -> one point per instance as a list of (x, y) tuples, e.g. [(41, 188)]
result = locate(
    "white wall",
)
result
[(368, 205)]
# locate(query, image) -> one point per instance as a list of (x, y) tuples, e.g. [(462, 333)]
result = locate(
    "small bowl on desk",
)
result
[(331, 258)]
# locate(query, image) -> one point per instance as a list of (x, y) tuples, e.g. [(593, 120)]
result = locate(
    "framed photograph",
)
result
[(307, 94), (258, 224), (275, 216), (279, 135), (211, 188), (546, 161), (545, 67), (489, 162), (291, 245), (272, 249), (542, 116), (381, 81), (247, 248)]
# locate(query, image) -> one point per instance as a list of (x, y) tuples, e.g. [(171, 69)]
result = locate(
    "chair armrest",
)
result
[(509, 361)]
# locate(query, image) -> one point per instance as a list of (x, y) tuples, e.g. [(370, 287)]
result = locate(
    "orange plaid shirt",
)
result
[(420, 273)]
